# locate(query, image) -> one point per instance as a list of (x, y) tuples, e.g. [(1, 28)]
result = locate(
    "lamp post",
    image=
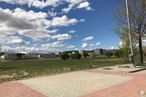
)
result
[(130, 37)]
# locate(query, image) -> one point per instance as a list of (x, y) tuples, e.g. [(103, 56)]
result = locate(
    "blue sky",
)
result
[(56, 25)]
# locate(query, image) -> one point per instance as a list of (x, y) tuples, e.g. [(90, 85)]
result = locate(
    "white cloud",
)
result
[(31, 24), (28, 15), (70, 47), (61, 37), (53, 31), (85, 45), (35, 3), (88, 38), (111, 48), (82, 20), (52, 13), (98, 43), (43, 48), (52, 45), (8, 39), (19, 20), (72, 31), (63, 21), (68, 9), (36, 25), (95, 44), (24, 49), (11, 22), (52, 3), (36, 35), (74, 1), (85, 5), (73, 4)]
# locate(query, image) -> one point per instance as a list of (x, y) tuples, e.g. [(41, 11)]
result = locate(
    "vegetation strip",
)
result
[(22, 69)]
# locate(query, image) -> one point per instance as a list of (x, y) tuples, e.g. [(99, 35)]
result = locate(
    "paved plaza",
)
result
[(89, 83)]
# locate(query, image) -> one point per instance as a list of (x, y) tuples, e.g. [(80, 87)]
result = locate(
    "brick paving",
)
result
[(16, 89), (90, 83), (131, 88), (73, 84)]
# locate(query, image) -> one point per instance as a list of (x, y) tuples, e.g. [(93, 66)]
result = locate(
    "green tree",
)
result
[(2, 53), (109, 54), (19, 55), (118, 53), (65, 56), (85, 54), (76, 56), (124, 45), (137, 12)]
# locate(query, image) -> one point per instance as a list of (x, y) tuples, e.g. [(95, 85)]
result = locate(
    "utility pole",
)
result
[(130, 36)]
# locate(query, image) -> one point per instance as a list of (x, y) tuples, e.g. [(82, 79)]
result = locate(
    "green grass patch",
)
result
[(22, 69)]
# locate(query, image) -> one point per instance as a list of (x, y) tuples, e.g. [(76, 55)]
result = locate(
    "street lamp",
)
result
[(130, 37)]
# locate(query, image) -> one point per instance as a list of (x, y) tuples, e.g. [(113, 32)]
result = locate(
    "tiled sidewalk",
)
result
[(131, 88), (90, 83), (73, 84), (16, 89)]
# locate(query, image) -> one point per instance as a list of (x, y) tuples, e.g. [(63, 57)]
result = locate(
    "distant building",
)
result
[(2, 55), (81, 51), (10, 56), (14, 56), (50, 55), (99, 51)]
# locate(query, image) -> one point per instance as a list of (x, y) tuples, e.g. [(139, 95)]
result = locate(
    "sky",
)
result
[(57, 25)]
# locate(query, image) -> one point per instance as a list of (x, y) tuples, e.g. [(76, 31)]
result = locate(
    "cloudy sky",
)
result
[(56, 25)]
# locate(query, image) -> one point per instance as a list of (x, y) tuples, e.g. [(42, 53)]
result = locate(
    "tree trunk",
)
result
[(140, 50), (126, 58)]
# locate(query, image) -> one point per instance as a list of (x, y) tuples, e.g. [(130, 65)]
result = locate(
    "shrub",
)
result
[(19, 55), (65, 56), (118, 53), (76, 56), (109, 54), (85, 54), (2, 53)]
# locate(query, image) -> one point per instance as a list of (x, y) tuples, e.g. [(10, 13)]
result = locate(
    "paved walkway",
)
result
[(90, 83), (131, 88), (16, 89)]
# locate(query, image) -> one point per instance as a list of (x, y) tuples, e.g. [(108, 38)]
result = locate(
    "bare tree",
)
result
[(137, 12)]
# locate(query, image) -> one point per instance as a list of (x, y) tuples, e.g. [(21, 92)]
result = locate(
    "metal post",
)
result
[(130, 38)]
